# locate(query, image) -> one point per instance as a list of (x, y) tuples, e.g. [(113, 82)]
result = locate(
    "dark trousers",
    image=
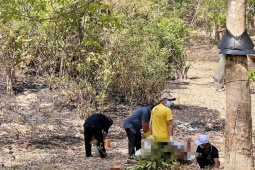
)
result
[(134, 141), (204, 162), (90, 131)]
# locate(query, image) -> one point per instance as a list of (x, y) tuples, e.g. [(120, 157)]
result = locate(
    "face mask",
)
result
[(168, 104)]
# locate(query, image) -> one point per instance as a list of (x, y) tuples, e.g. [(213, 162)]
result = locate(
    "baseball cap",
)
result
[(167, 96), (202, 139)]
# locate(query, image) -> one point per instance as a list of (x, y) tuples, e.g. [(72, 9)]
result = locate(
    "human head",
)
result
[(202, 140), (166, 97)]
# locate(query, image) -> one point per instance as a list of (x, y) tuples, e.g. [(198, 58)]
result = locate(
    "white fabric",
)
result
[(171, 139), (138, 153), (167, 96), (94, 147)]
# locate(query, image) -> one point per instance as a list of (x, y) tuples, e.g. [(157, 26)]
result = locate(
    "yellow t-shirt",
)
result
[(159, 115)]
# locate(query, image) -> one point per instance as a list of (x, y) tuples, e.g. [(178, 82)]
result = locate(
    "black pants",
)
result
[(90, 131), (204, 162), (134, 141)]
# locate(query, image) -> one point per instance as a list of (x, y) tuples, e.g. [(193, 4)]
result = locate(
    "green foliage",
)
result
[(63, 41), (96, 51), (250, 11), (213, 12), (155, 165), (251, 75), (148, 48), (172, 33)]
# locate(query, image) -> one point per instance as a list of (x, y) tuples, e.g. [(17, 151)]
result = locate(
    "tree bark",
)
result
[(238, 128), (236, 16)]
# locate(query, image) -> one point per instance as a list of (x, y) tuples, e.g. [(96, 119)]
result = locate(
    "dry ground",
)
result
[(55, 132)]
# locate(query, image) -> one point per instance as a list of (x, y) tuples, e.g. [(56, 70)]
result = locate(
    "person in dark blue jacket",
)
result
[(96, 126), (138, 120)]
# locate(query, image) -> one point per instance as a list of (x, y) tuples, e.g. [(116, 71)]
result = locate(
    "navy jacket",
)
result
[(99, 121)]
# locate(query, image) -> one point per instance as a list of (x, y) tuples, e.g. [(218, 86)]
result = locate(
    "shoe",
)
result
[(103, 156), (89, 156)]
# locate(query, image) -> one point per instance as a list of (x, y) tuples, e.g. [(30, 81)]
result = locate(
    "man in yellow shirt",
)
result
[(161, 120)]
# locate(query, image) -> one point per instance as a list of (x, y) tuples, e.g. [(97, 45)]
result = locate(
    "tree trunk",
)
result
[(217, 34), (238, 128)]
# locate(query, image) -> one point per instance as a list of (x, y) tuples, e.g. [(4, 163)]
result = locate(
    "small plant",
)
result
[(175, 165), (208, 167), (158, 164), (142, 165)]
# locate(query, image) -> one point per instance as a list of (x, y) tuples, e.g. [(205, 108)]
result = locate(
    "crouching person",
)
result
[(138, 120), (207, 155), (96, 126)]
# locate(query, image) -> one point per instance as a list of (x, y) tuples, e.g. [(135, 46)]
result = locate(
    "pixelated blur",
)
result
[(166, 150)]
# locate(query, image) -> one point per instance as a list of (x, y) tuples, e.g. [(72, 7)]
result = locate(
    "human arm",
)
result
[(145, 119), (150, 131), (150, 127), (146, 129), (104, 135), (170, 127), (169, 122), (195, 159), (216, 163), (107, 123), (215, 157)]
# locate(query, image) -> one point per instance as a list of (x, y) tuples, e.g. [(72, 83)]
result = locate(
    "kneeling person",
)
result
[(207, 155)]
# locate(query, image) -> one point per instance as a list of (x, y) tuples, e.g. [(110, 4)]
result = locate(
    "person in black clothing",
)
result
[(207, 155), (96, 126)]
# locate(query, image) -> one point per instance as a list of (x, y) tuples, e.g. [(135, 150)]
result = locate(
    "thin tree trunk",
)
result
[(238, 128)]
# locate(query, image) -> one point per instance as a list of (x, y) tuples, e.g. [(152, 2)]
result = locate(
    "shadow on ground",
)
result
[(194, 117)]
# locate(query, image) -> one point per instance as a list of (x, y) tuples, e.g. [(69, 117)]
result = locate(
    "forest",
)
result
[(89, 49), (97, 54)]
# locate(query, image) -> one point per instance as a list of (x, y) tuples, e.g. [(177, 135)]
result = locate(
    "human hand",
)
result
[(147, 134), (193, 165), (171, 139), (150, 138)]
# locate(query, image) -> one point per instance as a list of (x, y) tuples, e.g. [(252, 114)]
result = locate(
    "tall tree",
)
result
[(238, 129)]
